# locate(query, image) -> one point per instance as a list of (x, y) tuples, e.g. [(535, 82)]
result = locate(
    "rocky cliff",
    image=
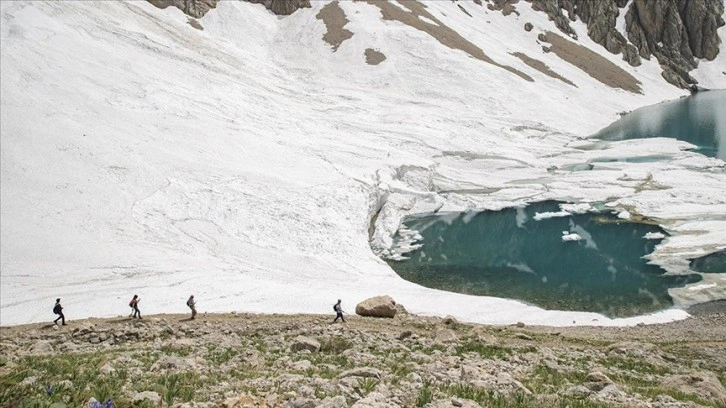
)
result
[(198, 8), (676, 32)]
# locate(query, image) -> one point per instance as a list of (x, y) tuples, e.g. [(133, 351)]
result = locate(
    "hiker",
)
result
[(338, 312), (134, 303), (58, 309), (191, 304)]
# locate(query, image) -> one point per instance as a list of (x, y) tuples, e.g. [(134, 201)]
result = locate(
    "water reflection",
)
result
[(542, 255), (699, 119)]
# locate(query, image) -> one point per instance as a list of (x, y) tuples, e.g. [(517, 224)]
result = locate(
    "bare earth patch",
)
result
[(439, 30), (335, 20), (194, 23), (374, 57), (542, 67), (592, 63)]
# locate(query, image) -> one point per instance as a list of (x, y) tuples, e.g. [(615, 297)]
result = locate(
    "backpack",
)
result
[(57, 309), (335, 307), (131, 303)]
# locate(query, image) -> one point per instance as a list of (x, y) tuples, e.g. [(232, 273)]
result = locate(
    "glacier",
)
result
[(251, 165)]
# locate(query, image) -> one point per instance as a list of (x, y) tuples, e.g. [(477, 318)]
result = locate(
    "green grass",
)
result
[(334, 345), (425, 395), (487, 351), (219, 357), (630, 364)]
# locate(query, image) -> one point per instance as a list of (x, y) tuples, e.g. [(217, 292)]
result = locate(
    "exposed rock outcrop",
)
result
[(198, 8), (192, 8), (283, 7), (674, 31)]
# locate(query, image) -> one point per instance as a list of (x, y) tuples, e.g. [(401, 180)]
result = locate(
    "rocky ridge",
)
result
[(242, 360), (675, 32)]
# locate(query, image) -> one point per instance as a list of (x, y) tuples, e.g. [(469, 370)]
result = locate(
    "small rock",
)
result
[(107, 369), (365, 372), (404, 335), (520, 324), (523, 336), (305, 343), (612, 391), (449, 320), (597, 381), (94, 340), (374, 400), (528, 27), (333, 402), (41, 347), (302, 365), (151, 396), (578, 391), (300, 403), (445, 336), (29, 380)]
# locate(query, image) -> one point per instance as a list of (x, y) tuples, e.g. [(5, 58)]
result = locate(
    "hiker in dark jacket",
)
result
[(191, 303), (58, 309), (338, 312), (135, 306)]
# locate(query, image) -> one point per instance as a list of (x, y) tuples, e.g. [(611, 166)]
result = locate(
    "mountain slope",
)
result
[(244, 161)]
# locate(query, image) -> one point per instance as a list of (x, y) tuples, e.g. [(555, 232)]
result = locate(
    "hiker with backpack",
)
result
[(58, 309), (191, 304), (134, 304), (338, 312)]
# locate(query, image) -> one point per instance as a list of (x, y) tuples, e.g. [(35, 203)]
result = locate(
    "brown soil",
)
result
[(542, 67), (335, 20), (439, 30), (374, 57), (592, 63)]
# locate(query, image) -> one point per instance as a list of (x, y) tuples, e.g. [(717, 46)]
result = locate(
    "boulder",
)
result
[(41, 347), (379, 306), (445, 336), (597, 381), (305, 343), (703, 384)]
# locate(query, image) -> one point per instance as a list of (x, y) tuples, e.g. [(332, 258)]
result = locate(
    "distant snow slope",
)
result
[(243, 163)]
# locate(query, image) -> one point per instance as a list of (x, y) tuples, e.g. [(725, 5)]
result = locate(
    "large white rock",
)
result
[(379, 306)]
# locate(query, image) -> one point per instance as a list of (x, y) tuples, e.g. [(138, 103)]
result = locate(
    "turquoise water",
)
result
[(711, 263), (699, 119), (509, 254)]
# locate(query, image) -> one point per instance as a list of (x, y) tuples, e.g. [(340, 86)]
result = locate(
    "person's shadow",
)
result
[(48, 326)]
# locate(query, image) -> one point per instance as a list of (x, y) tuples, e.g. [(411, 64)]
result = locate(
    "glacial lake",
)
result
[(699, 119), (583, 262)]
